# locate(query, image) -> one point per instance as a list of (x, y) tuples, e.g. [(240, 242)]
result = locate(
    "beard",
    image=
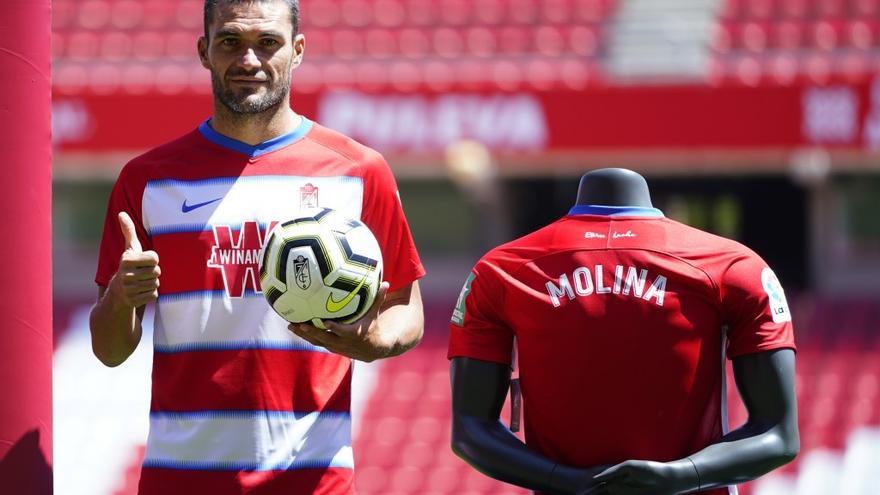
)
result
[(245, 101)]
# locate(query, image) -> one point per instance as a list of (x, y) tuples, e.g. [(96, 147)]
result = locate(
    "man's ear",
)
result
[(202, 47), (299, 48)]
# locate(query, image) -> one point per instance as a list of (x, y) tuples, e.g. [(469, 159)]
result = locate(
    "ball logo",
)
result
[(301, 272), (308, 196), (778, 304)]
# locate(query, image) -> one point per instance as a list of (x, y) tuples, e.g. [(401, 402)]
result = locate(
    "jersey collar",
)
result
[(254, 151), (616, 211)]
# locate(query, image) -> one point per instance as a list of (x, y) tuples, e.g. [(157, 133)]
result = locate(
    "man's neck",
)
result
[(254, 129)]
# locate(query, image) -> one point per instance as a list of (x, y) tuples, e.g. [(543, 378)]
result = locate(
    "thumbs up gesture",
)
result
[(137, 280)]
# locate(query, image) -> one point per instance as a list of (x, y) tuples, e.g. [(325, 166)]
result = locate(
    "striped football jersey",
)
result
[(239, 403)]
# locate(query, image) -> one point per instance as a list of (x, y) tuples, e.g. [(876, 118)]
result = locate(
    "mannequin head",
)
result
[(614, 187)]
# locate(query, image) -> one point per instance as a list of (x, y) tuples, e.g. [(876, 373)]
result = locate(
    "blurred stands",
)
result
[(786, 41), (134, 47)]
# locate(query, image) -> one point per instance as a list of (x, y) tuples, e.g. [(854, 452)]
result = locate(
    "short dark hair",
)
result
[(210, 4)]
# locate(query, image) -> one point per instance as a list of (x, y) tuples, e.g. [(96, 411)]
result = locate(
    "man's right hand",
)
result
[(136, 282)]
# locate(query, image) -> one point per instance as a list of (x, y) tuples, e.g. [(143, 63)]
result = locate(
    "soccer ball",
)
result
[(321, 267)]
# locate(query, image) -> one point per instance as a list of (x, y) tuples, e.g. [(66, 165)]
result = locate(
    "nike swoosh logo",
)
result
[(185, 208), (333, 305)]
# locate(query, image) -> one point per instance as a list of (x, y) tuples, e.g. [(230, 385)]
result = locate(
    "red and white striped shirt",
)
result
[(239, 402)]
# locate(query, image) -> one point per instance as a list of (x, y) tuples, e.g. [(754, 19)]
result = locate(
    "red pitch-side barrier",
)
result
[(25, 249), (838, 116)]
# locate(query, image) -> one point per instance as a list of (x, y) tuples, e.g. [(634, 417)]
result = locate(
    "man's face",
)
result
[(250, 51)]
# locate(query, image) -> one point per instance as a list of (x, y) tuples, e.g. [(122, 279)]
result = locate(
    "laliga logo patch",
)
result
[(301, 272), (778, 304)]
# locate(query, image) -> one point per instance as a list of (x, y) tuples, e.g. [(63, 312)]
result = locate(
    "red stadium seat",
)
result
[(826, 35), (439, 75), (556, 11), (181, 45), (148, 45), (389, 13), (347, 43), (321, 14), (447, 42), (414, 43), (731, 9), (583, 41), (82, 45), (755, 36), (126, 14), (356, 13), (455, 12), (380, 43), (549, 41), (783, 69), (722, 37), (481, 41), (104, 79), (59, 43), (514, 40), (157, 14), (523, 11), (421, 13), (507, 75), (866, 9), (489, 12), (788, 35), (138, 79), (591, 11), (759, 9), (93, 14), (795, 9), (577, 74), (318, 43), (190, 14), (862, 34), (831, 8), (116, 45), (63, 13)]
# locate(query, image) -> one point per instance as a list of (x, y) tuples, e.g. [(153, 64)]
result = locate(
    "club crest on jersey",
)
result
[(301, 272), (778, 304), (308, 196), (236, 253)]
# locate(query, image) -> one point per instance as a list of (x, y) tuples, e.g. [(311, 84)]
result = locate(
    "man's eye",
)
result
[(229, 42), (268, 42)]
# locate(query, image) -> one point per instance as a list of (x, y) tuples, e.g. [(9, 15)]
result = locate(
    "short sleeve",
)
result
[(125, 196), (477, 330), (755, 309), (383, 214)]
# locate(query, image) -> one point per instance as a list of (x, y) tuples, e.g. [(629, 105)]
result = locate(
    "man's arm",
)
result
[(115, 320), (115, 328), (394, 325), (479, 389), (766, 441)]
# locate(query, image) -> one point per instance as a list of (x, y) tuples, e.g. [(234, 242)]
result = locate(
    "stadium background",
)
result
[(755, 119)]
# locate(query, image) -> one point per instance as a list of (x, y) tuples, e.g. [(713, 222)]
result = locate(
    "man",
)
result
[(621, 320), (241, 402)]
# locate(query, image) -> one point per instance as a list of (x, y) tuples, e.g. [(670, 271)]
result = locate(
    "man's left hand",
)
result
[(361, 340)]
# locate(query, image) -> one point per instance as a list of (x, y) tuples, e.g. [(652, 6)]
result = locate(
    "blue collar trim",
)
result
[(254, 151), (616, 211)]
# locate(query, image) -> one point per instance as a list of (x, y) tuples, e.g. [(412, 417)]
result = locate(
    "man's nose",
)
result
[(249, 59)]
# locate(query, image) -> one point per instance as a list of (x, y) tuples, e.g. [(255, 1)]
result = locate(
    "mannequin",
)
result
[(765, 381)]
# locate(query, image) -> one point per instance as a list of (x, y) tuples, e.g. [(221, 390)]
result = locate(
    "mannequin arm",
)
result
[(479, 389), (766, 441)]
